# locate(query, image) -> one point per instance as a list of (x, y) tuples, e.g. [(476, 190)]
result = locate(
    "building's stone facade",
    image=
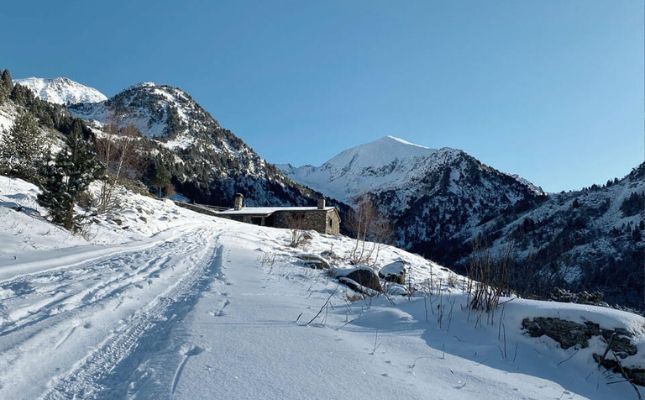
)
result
[(320, 218), (324, 221)]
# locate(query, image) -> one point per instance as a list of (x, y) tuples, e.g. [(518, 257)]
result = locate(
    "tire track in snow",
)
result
[(103, 373), (49, 306)]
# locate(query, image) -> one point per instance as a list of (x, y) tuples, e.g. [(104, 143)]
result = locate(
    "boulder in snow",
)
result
[(363, 276), (394, 272), (313, 261)]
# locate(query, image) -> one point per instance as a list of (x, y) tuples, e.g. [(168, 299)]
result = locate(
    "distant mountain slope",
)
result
[(61, 90), (384, 163), (430, 195), (590, 239), (388, 163), (208, 163), (445, 204)]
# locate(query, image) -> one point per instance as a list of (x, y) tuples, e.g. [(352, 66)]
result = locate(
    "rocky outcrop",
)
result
[(569, 334), (584, 297)]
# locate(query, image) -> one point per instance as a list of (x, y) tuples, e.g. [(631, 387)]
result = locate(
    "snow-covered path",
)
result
[(244, 340), (67, 329)]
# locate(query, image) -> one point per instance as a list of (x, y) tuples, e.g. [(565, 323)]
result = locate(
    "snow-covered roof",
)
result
[(268, 210)]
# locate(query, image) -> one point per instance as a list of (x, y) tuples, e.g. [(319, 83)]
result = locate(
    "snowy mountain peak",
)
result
[(394, 139), (378, 153), (62, 90), (144, 84), (381, 164), (157, 111)]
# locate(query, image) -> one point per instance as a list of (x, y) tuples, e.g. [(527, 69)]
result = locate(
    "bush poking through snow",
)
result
[(367, 224), (489, 279)]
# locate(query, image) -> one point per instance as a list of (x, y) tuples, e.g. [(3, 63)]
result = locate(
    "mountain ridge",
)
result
[(385, 163)]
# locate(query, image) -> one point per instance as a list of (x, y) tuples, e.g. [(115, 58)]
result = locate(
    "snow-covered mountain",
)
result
[(389, 163), (444, 204), (157, 111), (61, 90), (430, 195), (207, 162)]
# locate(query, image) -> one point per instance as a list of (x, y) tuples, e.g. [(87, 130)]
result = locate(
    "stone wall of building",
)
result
[(323, 221)]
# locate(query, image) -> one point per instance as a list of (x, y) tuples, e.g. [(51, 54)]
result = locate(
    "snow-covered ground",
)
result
[(182, 305)]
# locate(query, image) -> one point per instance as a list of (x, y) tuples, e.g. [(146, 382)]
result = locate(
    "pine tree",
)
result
[(160, 176), (6, 83), (67, 178), (22, 148)]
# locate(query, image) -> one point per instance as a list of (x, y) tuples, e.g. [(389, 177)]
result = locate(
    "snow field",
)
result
[(186, 306)]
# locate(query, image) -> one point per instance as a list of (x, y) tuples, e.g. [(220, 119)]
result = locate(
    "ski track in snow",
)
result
[(107, 305)]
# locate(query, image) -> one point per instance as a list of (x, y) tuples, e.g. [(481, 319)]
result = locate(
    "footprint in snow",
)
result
[(190, 349), (187, 350)]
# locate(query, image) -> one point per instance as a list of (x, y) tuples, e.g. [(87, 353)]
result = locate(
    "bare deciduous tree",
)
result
[(117, 149), (490, 277), (370, 229)]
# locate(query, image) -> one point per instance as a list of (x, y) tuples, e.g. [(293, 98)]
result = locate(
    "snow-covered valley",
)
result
[(159, 302)]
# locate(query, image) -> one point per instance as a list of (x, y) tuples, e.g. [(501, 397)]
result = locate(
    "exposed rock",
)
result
[(394, 272), (330, 255), (313, 261), (569, 334), (364, 276), (635, 375), (584, 297), (357, 287)]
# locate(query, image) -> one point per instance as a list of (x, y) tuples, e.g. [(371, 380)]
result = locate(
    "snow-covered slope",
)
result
[(61, 90), (208, 308), (592, 239)]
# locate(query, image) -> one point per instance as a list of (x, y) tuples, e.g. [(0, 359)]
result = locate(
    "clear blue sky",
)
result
[(549, 89)]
